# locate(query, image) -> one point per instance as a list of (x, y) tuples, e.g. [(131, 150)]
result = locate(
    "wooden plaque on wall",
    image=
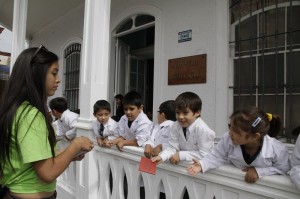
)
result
[(187, 70)]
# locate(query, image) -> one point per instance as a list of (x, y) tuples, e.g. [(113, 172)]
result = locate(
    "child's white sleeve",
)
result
[(173, 144), (280, 162), (218, 156), (143, 133), (113, 131), (295, 158), (71, 134), (295, 176)]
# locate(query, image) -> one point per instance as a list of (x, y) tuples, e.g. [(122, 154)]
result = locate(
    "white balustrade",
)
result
[(90, 179)]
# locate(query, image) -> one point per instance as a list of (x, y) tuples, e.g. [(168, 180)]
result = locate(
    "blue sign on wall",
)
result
[(185, 36)]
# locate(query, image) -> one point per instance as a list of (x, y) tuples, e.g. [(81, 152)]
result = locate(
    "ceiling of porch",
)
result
[(40, 13)]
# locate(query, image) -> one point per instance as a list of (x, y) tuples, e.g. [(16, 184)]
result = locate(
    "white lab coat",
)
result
[(66, 124), (160, 134), (273, 158), (200, 141), (111, 129), (295, 163), (139, 130)]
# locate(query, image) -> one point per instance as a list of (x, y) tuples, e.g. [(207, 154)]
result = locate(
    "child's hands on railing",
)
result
[(194, 168), (251, 174), (148, 151), (157, 159), (174, 159)]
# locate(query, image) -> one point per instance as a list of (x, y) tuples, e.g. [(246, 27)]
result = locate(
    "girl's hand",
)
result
[(194, 168), (147, 151), (251, 174), (157, 159), (175, 158), (83, 144), (79, 158)]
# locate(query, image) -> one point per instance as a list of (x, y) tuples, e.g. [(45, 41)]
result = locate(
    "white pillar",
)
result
[(19, 29), (222, 67), (93, 84), (95, 55)]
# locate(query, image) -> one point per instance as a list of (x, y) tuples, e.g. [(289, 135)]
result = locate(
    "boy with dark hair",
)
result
[(65, 125), (160, 132), (105, 128), (134, 126), (190, 137), (119, 107)]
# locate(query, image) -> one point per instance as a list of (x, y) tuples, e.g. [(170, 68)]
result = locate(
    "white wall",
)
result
[(202, 18), (58, 34)]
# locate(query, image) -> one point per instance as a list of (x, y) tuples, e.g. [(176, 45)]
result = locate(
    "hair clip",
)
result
[(255, 123), (270, 116)]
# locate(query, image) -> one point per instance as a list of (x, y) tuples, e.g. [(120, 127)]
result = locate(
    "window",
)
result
[(71, 75), (266, 51)]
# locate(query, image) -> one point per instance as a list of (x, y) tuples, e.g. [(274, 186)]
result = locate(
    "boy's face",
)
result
[(132, 111), (160, 117), (55, 113), (102, 115), (186, 117)]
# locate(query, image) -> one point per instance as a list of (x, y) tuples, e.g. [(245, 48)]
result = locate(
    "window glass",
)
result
[(271, 74), (244, 76), (71, 75), (143, 19), (245, 34), (243, 101), (126, 26), (272, 29)]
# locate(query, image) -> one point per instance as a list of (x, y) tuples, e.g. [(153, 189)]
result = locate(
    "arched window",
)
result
[(71, 75), (265, 43)]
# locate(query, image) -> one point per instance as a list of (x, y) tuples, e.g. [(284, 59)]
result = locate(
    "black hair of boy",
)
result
[(168, 108), (119, 96), (59, 104), (133, 98), (101, 105), (188, 100)]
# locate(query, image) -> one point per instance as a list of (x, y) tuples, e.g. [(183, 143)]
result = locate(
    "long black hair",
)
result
[(26, 83)]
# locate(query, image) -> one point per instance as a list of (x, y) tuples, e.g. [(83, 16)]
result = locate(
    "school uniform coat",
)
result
[(66, 124), (272, 159), (111, 129), (160, 134), (139, 129), (295, 163), (199, 141)]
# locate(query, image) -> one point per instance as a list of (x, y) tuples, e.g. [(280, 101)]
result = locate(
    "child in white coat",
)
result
[(134, 126), (160, 132), (248, 147), (295, 163), (65, 124), (105, 128), (190, 137)]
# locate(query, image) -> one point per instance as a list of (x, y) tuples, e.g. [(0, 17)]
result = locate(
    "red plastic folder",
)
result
[(146, 165)]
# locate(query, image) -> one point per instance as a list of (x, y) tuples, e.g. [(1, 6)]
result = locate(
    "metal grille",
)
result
[(71, 75), (266, 51)]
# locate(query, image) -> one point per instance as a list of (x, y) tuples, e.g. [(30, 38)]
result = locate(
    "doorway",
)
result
[(134, 68)]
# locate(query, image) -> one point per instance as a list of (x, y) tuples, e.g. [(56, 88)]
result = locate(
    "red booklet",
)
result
[(146, 165)]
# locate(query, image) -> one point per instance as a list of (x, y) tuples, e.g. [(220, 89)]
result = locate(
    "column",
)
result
[(222, 67), (19, 29), (93, 86)]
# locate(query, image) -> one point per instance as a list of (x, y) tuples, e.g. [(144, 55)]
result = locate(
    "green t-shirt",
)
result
[(34, 146)]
